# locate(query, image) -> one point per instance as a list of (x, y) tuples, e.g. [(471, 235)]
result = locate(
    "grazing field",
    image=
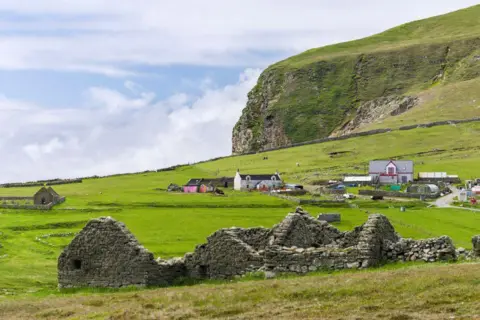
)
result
[(171, 224)]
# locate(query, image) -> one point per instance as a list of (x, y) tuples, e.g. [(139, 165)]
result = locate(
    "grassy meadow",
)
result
[(399, 292), (171, 224)]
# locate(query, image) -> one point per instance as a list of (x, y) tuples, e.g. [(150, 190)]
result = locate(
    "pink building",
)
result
[(190, 189)]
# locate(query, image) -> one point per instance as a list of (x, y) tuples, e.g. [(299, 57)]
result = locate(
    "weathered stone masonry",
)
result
[(106, 254)]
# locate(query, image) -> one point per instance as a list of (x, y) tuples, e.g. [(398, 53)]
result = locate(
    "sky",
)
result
[(98, 87)]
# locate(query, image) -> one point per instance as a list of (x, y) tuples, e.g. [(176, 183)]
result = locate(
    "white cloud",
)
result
[(112, 132), (36, 151), (111, 36)]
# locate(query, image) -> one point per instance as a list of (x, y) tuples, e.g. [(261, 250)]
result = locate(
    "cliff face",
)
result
[(340, 89)]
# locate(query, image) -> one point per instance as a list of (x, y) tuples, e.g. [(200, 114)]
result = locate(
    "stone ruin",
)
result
[(106, 254)]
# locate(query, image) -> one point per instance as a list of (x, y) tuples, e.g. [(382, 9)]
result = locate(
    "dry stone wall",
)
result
[(106, 254), (396, 194)]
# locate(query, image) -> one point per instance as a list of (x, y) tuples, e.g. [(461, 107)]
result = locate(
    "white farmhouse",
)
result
[(257, 181), (391, 171)]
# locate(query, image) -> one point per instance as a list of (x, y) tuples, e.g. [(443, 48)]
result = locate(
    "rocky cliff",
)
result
[(340, 89)]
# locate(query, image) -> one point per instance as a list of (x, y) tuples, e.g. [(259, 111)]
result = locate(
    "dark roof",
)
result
[(194, 182), (260, 176), (197, 182)]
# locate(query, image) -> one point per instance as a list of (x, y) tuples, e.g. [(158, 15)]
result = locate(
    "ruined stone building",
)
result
[(106, 254), (46, 196)]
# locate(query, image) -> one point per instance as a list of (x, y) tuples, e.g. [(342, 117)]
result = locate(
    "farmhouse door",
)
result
[(404, 179)]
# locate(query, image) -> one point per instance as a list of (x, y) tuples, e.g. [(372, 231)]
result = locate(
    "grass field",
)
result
[(419, 292), (170, 224)]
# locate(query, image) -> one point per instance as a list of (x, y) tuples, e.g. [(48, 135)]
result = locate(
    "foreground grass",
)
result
[(418, 292)]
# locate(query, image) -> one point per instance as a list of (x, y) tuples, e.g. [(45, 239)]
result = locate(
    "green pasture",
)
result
[(171, 224)]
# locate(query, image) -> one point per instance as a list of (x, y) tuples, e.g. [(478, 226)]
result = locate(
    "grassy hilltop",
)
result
[(316, 93)]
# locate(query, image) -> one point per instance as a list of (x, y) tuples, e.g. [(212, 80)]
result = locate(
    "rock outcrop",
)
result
[(376, 110), (106, 254)]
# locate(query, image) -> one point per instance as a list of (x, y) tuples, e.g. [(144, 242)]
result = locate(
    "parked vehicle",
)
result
[(377, 197), (349, 196)]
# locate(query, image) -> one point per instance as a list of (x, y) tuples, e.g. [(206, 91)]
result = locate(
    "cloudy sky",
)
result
[(107, 86)]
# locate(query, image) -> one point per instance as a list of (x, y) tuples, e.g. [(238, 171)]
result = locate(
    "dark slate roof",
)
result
[(260, 177), (197, 182), (194, 182)]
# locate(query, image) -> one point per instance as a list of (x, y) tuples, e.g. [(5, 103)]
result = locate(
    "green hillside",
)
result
[(458, 25), (172, 224), (311, 95)]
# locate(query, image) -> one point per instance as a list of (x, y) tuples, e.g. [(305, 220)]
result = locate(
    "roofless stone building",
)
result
[(106, 254)]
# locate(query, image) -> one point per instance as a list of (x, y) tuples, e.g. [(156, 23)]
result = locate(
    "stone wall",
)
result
[(395, 194), (368, 133), (106, 254), (29, 206), (40, 183), (309, 201), (430, 250)]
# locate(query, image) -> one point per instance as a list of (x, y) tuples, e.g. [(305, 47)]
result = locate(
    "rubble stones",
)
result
[(106, 254)]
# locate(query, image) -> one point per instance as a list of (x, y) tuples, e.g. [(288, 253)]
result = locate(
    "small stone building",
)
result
[(46, 196), (106, 254)]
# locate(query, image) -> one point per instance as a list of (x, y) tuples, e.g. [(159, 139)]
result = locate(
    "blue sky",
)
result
[(101, 87)]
